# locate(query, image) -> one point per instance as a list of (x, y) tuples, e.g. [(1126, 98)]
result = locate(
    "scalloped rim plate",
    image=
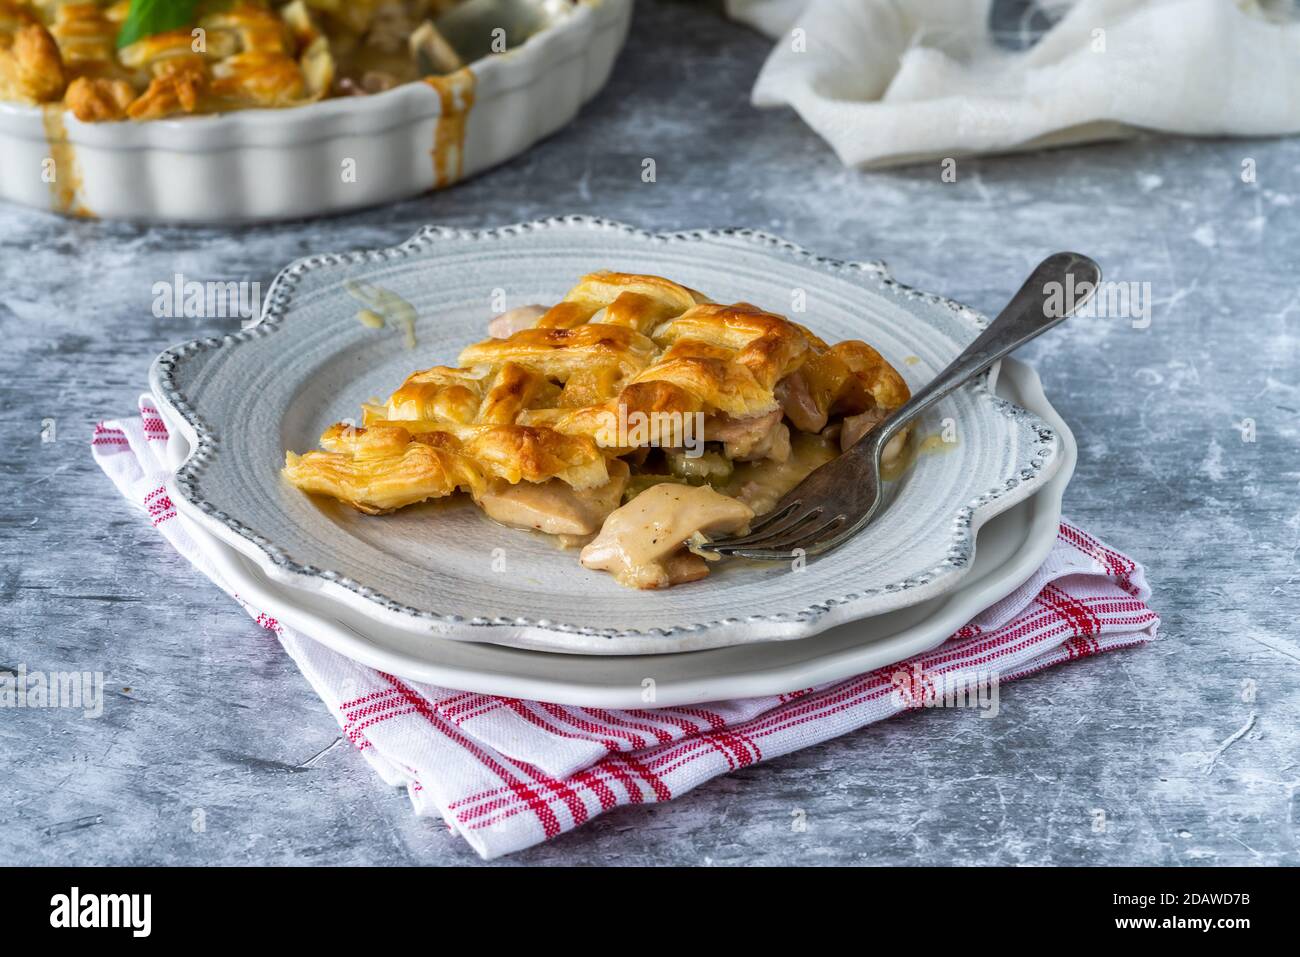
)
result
[(1011, 547), (443, 570)]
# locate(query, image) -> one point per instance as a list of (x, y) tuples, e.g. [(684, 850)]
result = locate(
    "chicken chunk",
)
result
[(856, 426), (798, 403), (750, 439), (642, 543), (553, 506)]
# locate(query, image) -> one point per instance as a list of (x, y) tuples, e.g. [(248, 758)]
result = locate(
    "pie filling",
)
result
[(635, 418), (240, 54)]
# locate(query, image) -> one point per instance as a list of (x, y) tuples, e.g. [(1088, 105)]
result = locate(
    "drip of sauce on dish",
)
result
[(930, 445), (66, 183), (456, 95), (382, 307), (911, 360)]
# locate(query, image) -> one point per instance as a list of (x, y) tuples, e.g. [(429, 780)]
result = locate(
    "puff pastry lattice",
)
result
[(235, 55), (534, 423)]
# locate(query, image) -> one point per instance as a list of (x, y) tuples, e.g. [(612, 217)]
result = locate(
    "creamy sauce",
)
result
[(67, 173), (382, 307), (639, 542), (760, 485), (456, 93)]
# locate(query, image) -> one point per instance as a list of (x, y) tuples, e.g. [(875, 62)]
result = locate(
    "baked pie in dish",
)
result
[(317, 145), (632, 418), (230, 55)]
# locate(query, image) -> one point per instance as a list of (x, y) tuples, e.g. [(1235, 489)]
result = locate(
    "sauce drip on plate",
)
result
[(382, 307)]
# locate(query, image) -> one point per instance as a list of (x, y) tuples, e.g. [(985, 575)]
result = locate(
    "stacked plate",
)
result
[(436, 593)]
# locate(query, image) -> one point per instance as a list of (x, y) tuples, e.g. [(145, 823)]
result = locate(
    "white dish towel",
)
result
[(896, 81)]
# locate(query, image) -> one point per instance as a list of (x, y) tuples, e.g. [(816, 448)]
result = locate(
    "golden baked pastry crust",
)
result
[(550, 405), (236, 54), (31, 69)]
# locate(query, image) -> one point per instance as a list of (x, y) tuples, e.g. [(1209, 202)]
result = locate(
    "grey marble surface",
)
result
[(1189, 746)]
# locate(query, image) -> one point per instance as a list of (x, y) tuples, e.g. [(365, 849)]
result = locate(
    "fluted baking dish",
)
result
[(325, 157)]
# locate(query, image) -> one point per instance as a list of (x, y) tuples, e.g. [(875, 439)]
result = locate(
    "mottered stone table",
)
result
[(1182, 752)]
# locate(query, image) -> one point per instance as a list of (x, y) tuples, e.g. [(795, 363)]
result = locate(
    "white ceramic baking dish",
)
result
[(322, 158)]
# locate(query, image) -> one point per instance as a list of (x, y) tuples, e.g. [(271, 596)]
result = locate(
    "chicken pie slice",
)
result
[(631, 418)]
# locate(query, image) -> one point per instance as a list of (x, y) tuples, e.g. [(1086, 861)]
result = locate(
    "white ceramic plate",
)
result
[(1011, 547), (275, 164), (438, 569)]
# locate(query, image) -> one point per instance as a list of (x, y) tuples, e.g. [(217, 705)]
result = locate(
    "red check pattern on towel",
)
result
[(505, 773)]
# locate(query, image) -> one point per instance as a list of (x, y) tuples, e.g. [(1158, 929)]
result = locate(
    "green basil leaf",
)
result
[(147, 17)]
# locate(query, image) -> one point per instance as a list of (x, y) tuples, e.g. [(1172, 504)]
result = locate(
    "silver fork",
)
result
[(836, 500)]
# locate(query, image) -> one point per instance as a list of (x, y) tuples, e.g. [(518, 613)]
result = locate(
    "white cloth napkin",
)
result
[(895, 81), (505, 773)]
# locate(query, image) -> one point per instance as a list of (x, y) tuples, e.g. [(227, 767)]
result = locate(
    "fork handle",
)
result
[(1060, 284)]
